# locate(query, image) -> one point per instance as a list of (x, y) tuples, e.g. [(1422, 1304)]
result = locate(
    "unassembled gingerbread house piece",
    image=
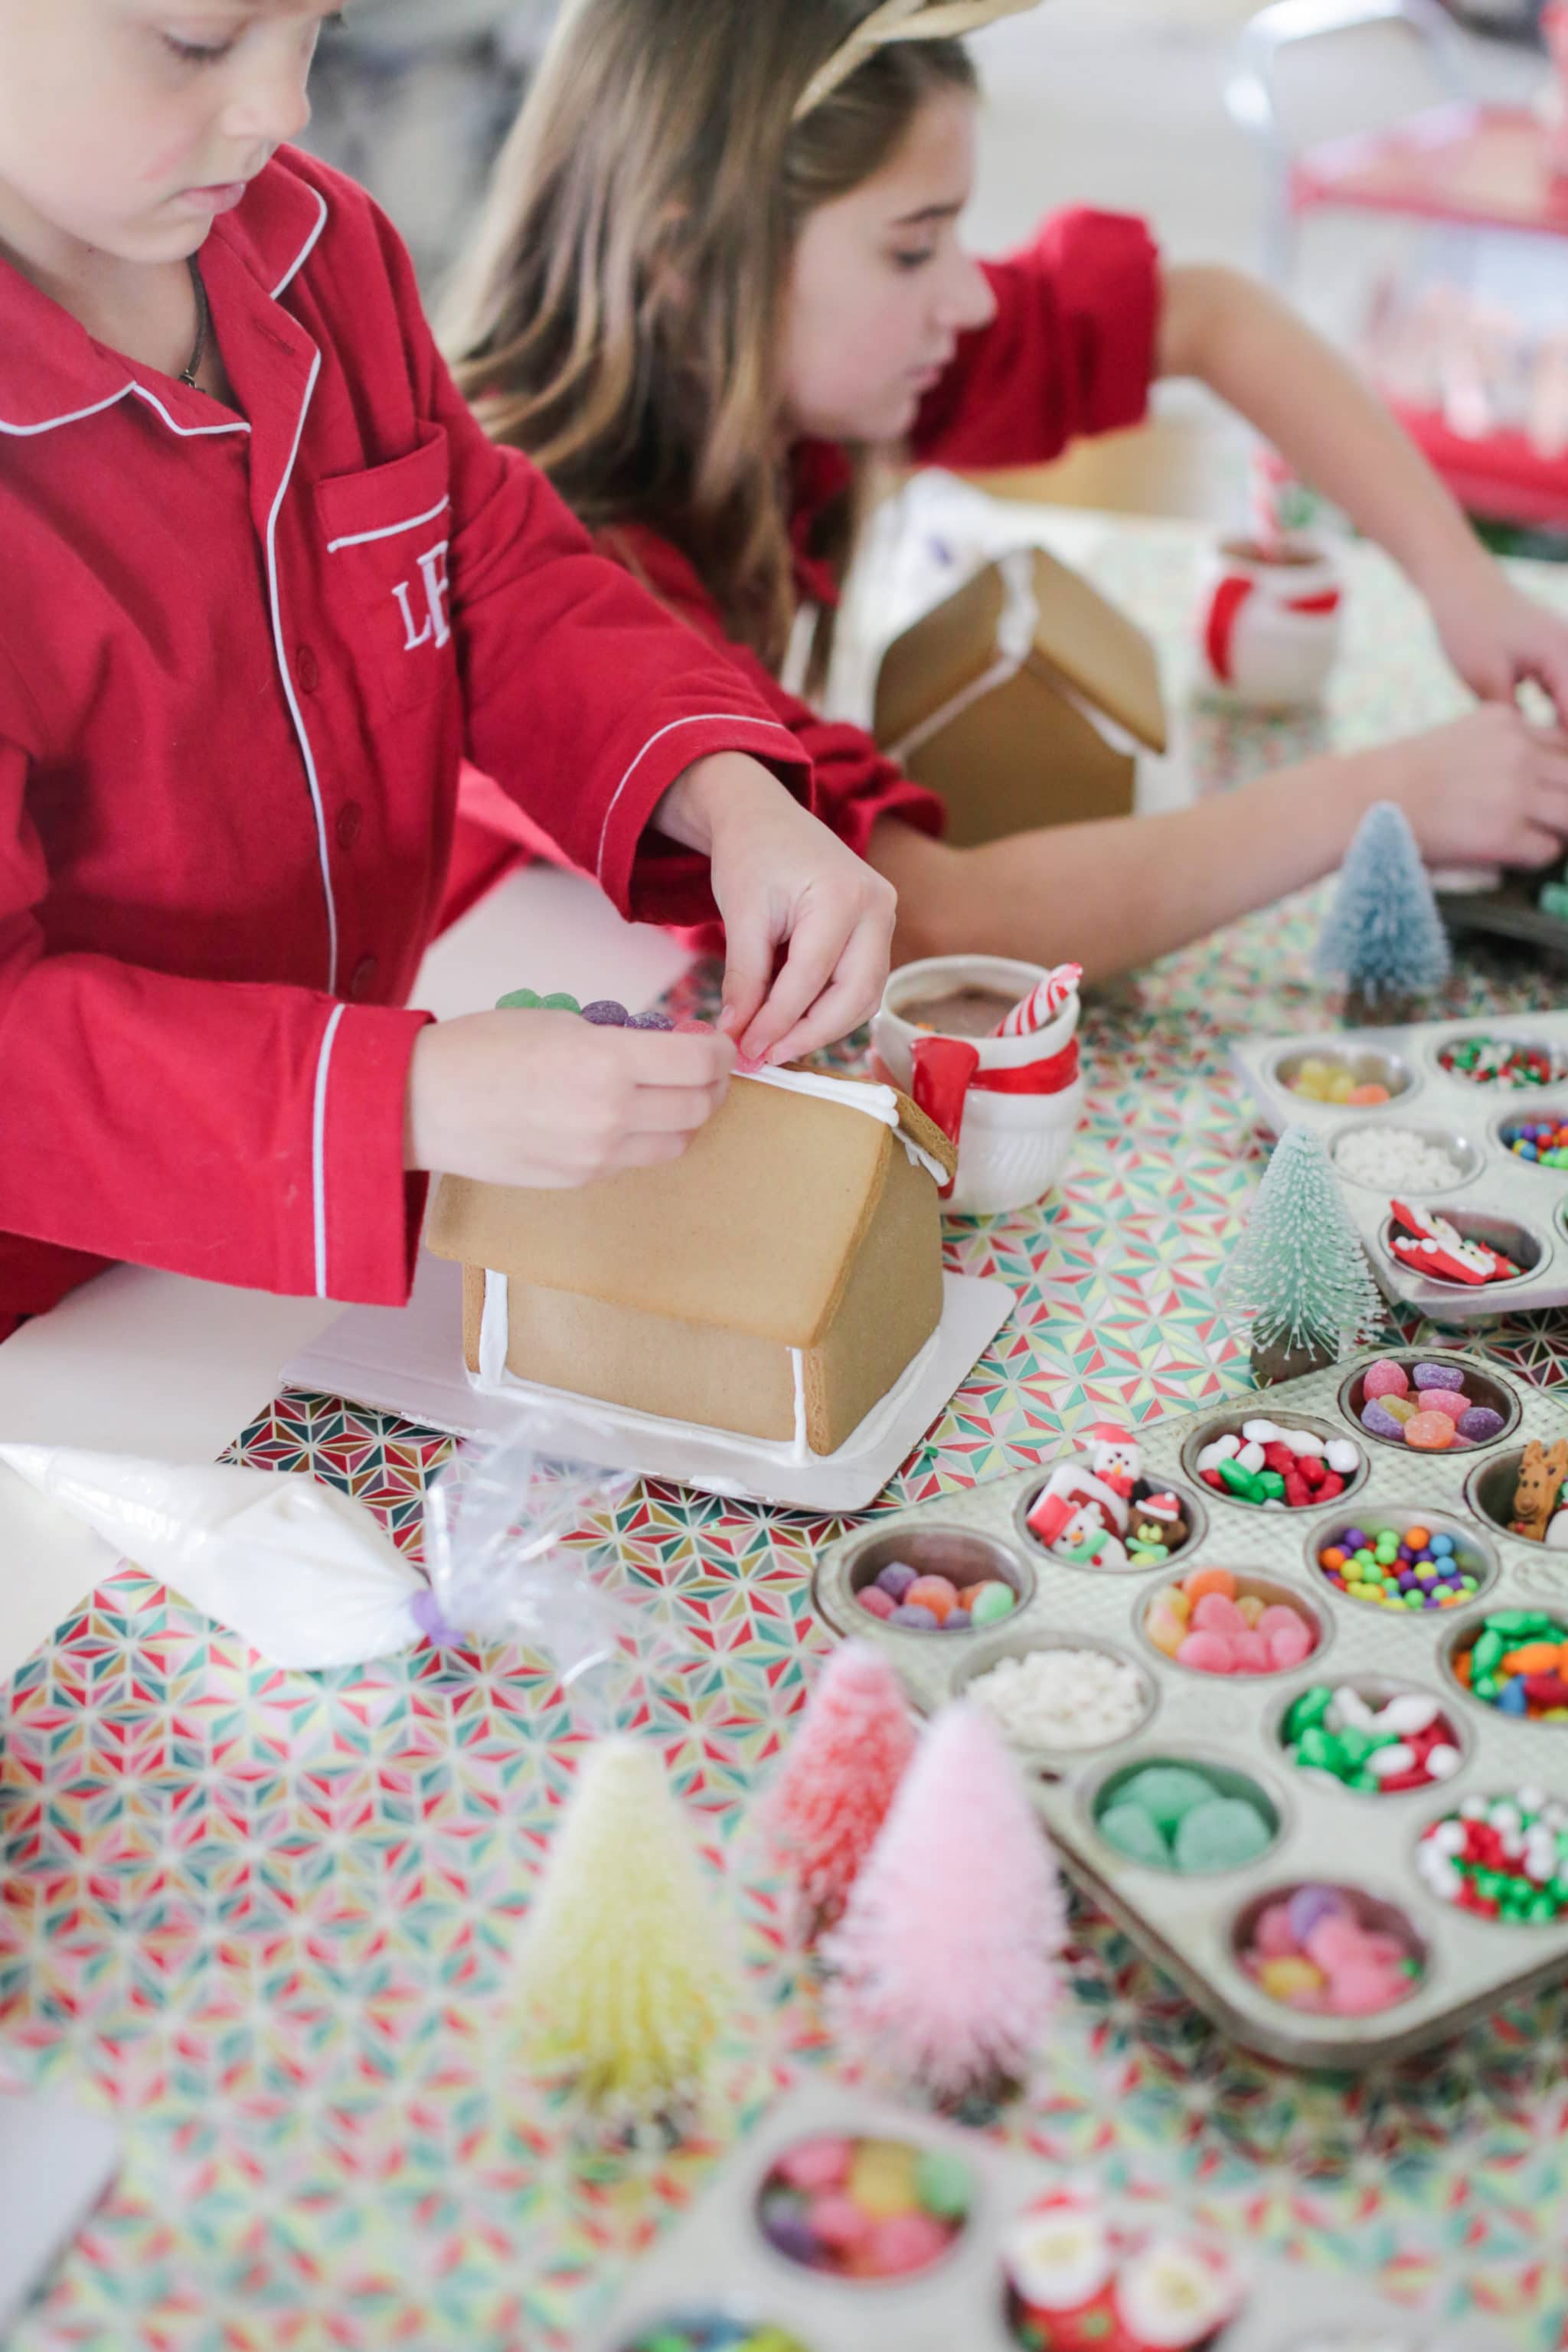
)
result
[(1023, 699), (776, 1281)]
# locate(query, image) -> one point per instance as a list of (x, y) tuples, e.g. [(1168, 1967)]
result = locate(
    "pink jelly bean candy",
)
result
[(1386, 1378), (1364, 1988), (1217, 1614), (1337, 1942), (837, 2222), (1209, 1654), (1251, 1652), (875, 1601), (905, 2242), (1278, 1618), (1449, 1400), (1274, 1937), (1387, 1950), (1290, 1645), (816, 2164)]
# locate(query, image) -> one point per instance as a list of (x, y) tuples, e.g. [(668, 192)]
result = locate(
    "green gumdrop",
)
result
[(1221, 1836), (1129, 1829), (561, 1002), (942, 2184), (996, 1601), (521, 1000), (1165, 1792)]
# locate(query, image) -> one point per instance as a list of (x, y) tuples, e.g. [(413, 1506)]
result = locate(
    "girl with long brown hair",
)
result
[(721, 270)]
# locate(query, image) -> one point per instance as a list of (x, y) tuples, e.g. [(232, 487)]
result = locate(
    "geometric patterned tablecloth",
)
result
[(268, 1919)]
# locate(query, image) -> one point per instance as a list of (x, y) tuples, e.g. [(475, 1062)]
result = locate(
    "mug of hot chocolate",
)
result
[(1268, 620), (987, 1046)]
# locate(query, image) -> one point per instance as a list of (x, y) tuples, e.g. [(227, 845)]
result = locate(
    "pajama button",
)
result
[(307, 670), (351, 816), (364, 979)]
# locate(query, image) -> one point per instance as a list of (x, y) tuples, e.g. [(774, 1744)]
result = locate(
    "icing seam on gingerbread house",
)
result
[(1015, 625), (853, 1094)]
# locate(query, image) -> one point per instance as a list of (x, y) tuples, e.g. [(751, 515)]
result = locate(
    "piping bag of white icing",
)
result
[(307, 1576), (302, 1571)]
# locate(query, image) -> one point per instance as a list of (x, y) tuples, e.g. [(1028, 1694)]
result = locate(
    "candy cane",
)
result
[(1044, 1002)]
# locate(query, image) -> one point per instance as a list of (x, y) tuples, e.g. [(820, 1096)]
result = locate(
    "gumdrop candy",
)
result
[(1252, 1653), (882, 2178), (1223, 1834), (1207, 1654), (1479, 1424), (991, 1601), (1376, 1418), (1386, 1378), (1431, 1376), (957, 1621), (1164, 1628), (1129, 1829), (937, 1593), (1276, 1618), (918, 1620), (896, 1578), (837, 2222), (1310, 1904), (1287, 1977), (1214, 1613), (906, 2243), (1362, 1989), (816, 2164), (1453, 1401), (942, 2184), (649, 1020), (560, 1000), (1166, 1791), (1429, 1433), (1252, 1606), (875, 1601), (1403, 1409), (1210, 1580), (604, 1013), (1288, 1645), (1274, 1937)]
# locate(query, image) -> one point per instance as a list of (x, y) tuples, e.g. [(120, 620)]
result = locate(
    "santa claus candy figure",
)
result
[(1114, 1456), (1077, 2284)]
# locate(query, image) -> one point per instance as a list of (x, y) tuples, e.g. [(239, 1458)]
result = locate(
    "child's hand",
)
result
[(1487, 789), (545, 1099), (1496, 637), (783, 882)]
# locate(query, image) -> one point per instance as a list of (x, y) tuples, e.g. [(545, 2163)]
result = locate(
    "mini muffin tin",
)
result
[(1514, 1204), (1326, 1834), (716, 2258)]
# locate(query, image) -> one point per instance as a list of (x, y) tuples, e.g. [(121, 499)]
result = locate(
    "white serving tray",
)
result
[(716, 2258), (1504, 1193), (409, 1361)]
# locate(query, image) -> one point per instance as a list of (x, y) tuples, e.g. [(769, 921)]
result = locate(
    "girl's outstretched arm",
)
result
[(1253, 351)]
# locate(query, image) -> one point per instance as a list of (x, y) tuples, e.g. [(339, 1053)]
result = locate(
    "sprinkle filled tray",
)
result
[(1304, 1733), (985, 2251), (1450, 1143)]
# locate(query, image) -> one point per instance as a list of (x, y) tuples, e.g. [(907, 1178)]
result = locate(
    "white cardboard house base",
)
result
[(409, 1361)]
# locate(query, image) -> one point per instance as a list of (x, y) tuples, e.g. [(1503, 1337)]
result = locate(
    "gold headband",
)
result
[(902, 20)]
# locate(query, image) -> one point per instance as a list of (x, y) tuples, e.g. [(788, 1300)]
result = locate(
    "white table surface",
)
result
[(138, 1362)]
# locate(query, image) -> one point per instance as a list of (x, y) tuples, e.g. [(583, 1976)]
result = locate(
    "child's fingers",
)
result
[(652, 1150), (674, 1110), (814, 951), (655, 1058), (749, 952), (850, 998)]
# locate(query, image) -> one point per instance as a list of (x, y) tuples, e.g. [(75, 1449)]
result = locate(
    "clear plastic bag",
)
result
[(501, 1570)]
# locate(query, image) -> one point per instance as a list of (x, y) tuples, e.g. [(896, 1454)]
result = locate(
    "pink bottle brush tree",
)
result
[(837, 1780), (945, 1961)]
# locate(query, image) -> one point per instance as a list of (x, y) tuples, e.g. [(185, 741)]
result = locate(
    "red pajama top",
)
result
[(1069, 353), (243, 654)]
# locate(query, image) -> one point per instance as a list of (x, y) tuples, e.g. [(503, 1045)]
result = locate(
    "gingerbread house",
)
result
[(1024, 700), (777, 1281)]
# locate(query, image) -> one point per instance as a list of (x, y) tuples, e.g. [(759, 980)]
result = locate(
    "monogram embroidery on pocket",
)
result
[(436, 585)]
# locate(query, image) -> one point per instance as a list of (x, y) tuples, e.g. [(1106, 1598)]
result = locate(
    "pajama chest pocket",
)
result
[(387, 533)]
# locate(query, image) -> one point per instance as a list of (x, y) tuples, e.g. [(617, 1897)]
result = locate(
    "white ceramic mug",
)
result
[(1269, 621), (1012, 1147)]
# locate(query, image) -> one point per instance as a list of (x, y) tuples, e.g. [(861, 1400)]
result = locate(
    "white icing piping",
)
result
[(495, 1334), (881, 1103), (800, 1451), (1015, 630)]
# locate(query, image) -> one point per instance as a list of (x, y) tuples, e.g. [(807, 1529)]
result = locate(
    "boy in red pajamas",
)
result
[(263, 585)]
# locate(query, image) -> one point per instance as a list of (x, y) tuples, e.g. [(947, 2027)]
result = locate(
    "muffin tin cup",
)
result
[(957, 1553), (1546, 1739), (1469, 1158), (1476, 1919), (1228, 1778), (1376, 1690), (1370, 1064), (1185, 1553), (1528, 1247), (1230, 1424), (1481, 1386), (1235, 1718), (1054, 1758), (1271, 1591), (1473, 1549), (1386, 1913), (1489, 1491), (1504, 1187), (1526, 1032), (1545, 1104)]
